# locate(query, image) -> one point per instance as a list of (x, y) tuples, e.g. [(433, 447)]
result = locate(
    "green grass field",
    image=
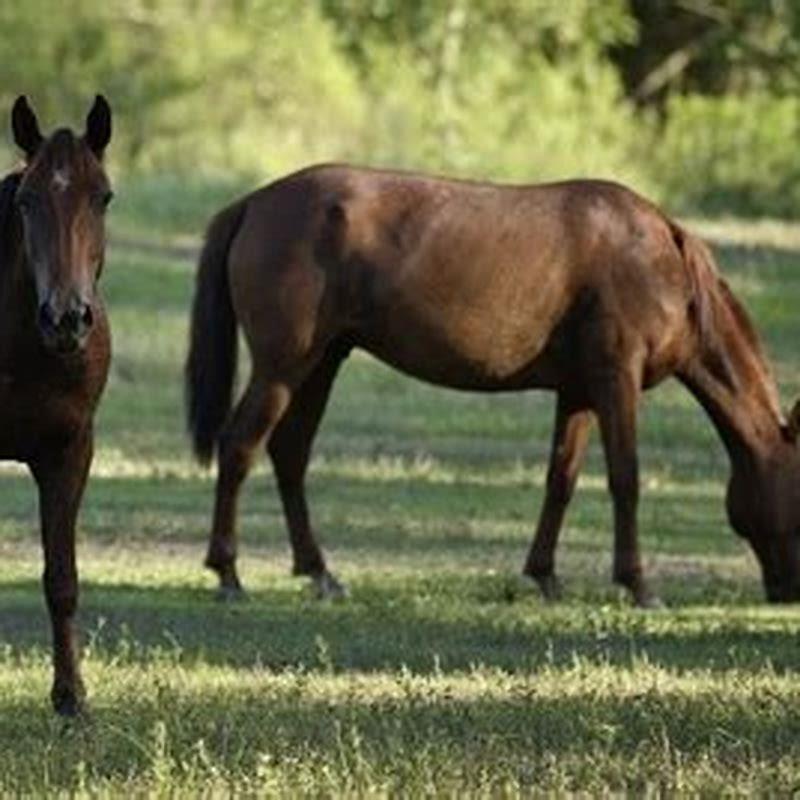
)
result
[(441, 673)]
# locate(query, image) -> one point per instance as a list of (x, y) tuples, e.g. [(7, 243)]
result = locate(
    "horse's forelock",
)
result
[(66, 159), (62, 149)]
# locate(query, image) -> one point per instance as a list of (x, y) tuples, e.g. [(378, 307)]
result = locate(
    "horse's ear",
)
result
[(98, 126), (25, 127), (791, 430)]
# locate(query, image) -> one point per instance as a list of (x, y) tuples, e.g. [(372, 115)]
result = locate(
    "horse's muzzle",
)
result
[(65, 331)]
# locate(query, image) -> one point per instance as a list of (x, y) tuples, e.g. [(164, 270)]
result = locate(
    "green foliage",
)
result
[(711, 47), (194, 85), (257, 88), (734, 154), (534, 137), (517, 90)]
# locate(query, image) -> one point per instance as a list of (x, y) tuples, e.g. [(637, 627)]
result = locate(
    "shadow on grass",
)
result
[(388, 515), (445, 623)]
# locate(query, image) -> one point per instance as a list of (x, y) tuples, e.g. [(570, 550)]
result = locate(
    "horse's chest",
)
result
[(37, 415)]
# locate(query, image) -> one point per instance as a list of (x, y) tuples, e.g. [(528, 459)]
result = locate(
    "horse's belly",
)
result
[(474, 317), (479, 355), (470, 376)]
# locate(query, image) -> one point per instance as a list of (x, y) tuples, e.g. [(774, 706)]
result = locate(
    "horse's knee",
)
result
[(61, 594), (623, 484), (560, 486), (627, 572), (290, 470), (234, 458)]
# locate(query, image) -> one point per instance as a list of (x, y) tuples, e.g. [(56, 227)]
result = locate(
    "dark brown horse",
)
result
[(580, 287), (54, 344)]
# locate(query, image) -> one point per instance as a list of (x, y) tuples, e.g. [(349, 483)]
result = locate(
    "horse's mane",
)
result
[(722, 320), (8, 188), (741, 316), (745, 328)]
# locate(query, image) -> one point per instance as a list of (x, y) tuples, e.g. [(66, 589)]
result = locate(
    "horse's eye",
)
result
[(104, 198), (25, 202)]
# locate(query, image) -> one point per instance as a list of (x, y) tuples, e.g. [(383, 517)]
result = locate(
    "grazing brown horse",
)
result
[(580, 287), (54, 344)]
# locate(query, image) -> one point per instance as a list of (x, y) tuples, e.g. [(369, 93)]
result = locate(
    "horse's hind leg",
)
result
[(256, 415), (570, 437), (616, 396), (61, 478), (290, 448)]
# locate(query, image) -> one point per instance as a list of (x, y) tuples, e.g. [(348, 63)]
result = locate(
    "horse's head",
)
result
[(763, 503), (62, 198)]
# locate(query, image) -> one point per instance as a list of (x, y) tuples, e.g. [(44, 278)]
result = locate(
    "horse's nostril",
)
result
[(88, 316), (77, 320), (69, 329), (47, 321)]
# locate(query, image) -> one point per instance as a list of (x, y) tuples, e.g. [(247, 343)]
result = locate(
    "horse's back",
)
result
[(458, 282)]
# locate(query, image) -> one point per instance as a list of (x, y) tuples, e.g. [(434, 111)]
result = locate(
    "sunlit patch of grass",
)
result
[(754, 234), (436, 696)]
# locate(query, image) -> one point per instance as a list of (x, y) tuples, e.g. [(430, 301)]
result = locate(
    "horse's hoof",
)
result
[(230, 587), (230, 594), (649, 601), (548, 585), (326, 587), (68, 703)]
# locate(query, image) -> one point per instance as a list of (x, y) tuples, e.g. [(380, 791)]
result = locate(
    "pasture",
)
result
[(443, 672)]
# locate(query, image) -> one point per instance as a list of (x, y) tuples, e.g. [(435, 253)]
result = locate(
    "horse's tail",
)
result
[(211, 363)]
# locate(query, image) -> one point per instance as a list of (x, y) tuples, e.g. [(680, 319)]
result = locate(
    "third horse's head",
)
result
[(763, 503)]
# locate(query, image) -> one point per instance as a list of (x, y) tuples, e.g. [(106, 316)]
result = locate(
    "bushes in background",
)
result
[(517, 90), (737, 154)]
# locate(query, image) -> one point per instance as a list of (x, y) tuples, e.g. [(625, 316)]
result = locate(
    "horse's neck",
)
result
[(17, 307), (15, 279), (733, 382)]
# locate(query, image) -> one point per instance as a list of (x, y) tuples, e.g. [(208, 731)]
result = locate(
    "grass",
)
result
[(442, 673)]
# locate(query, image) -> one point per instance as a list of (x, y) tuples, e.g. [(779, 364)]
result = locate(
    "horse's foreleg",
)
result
[(254, 418), (570, 437), (616, 399), (61, 478), (290, 448)]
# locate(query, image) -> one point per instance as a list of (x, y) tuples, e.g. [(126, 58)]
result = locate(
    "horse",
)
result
[(54, 345), (581, 287)]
